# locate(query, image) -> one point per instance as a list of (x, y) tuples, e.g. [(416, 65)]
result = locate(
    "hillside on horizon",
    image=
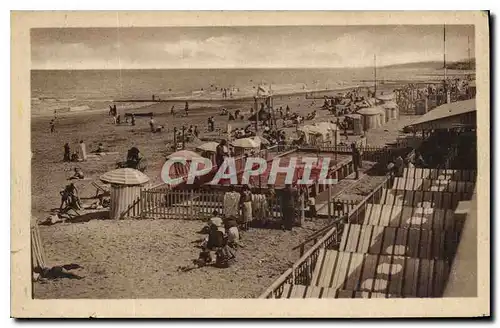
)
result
[(458, 65)]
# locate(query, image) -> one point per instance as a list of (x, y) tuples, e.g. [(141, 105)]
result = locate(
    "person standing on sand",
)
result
[(67, 153), (221, 152), (133, 120), (172, 111), (356, 159), (52, 126), (196, 132), (83, 150), (246, 207), (186, 108), (152, 124)]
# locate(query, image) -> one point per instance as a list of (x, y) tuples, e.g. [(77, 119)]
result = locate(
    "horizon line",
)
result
[(242, 68)]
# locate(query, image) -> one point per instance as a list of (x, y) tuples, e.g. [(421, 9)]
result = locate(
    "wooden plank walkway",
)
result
[(426, 199), (440, 174), (433, 185), (411, 217), (356, 275), (417, 243)]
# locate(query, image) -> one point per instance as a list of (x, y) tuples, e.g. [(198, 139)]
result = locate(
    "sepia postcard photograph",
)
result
[(250, 164)]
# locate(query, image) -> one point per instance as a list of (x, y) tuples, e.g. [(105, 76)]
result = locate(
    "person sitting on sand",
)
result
[(75, 157), (233, 234), (100, 148), (78, 175)]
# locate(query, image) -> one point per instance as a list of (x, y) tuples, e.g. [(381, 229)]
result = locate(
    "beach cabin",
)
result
[(208, 150), (391, 110), (126, 186), (371, 118), (357, 121)]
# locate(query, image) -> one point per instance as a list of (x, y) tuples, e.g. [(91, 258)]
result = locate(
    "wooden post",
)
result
[(329, 201), (175, 138), (183, 137), (302, 214)]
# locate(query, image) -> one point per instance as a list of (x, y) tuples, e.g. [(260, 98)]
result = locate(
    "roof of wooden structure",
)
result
[(442, 116)]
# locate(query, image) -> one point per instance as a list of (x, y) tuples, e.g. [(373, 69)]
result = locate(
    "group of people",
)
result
[(81, 153)]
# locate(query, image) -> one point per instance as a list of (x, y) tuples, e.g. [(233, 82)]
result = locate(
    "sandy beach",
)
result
[(147, 253)]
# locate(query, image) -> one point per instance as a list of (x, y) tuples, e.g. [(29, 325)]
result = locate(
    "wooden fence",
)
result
[(198, 205), (301, 271)]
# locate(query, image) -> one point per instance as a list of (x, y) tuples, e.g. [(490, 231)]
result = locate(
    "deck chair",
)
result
[(101, 190)]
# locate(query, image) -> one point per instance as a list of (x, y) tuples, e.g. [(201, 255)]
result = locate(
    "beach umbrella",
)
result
[(208, 146), (186, 154), (261, 140), (125, 176), (246, 143)]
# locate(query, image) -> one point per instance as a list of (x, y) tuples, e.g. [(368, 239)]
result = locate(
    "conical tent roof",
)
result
[(246, 143), (125, 176), (371, 111), (208, 146), (261, 140), (186, 154)]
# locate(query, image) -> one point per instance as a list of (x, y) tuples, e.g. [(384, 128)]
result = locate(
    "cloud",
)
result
[(242, 47)]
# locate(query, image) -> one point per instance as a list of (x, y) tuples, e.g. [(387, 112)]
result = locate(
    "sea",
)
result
[(81, 90)]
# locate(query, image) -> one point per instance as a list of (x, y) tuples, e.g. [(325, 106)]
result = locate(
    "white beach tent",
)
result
[(313, 133), (261, 140), (210, 146), (186, 154), (246, 143), (126, 186)]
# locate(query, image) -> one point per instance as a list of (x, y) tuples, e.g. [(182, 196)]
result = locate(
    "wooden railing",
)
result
[(301, 271)]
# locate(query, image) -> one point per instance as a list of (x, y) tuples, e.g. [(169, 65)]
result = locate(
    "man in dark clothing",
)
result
[(186, 108), (356, 159), (221, 152), (67, 153), (52, 126)]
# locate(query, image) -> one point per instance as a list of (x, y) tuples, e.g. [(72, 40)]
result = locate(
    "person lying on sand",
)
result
[(78, 175)]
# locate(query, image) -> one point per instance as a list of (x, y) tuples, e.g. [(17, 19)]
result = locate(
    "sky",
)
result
[(245, 47)]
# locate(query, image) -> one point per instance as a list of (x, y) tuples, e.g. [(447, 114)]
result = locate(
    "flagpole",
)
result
[(375, 76), (444, 52)]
